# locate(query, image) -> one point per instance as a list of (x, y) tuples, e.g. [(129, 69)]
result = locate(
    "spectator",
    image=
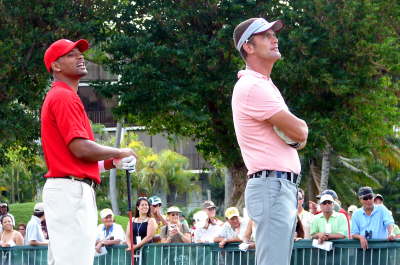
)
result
[(4, 210), (9, 237), (108, 233), (351, 210), (143, 225), (155, 210), (314, 207), (175, 231), (337, 207), (233, 230), (211, 227), (329, 224), (22, 229), (378, 199), (371, 221), (34, 235), (299, 233), (305, 217)]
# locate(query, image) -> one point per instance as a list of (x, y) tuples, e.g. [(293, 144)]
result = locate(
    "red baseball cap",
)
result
[(60, 48)]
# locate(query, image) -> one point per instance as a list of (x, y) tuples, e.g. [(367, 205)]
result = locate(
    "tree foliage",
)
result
[(178, 66), (27, 28)]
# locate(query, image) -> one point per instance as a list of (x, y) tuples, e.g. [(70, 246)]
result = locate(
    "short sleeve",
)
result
[(263, 102), (224, 232), (119, 233), (185, 228), (69, 115), (355, 229), (342, 225), (387, 217), (164, 233), (314, 227)]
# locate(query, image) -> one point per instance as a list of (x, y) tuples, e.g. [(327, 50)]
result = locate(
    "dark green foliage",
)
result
[(27, 28), (178, 67)]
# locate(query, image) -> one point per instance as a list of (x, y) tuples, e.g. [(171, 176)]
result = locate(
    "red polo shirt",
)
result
[(63, 118)]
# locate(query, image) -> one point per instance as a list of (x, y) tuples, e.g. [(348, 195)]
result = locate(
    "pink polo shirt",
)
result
[(255, 99)]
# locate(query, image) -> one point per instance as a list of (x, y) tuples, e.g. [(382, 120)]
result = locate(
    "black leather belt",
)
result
[(292, 177), (88, 181)]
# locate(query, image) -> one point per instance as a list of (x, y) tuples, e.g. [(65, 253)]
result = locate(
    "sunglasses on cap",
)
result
[(367, 197), (326, 202)]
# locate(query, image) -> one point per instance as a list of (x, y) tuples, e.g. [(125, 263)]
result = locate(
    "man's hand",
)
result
[(222, 243), (126, 163), (391, 237), (321, 237), (363, 242)]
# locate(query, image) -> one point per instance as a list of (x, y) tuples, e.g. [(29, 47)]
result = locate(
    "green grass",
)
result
[(23, 212)]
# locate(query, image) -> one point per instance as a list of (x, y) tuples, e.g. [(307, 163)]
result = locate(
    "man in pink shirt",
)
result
[(259, 112)]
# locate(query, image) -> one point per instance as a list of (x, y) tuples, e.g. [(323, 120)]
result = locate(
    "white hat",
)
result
[(257, 26), (106, 212), (326, 197), (39, 207), (173, 209)]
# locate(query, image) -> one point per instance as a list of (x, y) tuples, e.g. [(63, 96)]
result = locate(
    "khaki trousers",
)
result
[(71, 218)]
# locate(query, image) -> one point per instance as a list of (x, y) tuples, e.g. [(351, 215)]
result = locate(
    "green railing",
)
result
[(344, 252)]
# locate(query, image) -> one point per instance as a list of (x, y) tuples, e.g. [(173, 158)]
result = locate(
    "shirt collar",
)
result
[(248, 71), (334, 214), (372, 213)]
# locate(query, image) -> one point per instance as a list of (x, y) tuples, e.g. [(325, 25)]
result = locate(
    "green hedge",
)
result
[(23, 212)]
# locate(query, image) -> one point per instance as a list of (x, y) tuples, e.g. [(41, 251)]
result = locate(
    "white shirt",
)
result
[(228, 233), (115, 231), (34, 231), (207, 235)]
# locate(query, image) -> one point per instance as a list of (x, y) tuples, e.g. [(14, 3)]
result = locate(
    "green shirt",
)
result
[(337, 221)]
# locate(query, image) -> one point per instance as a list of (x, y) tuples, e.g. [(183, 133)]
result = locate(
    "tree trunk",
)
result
[(113, 193), (325, 167), (236, 187), (228, 187)]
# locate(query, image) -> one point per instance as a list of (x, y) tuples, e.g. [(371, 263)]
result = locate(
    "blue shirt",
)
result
[(377, 222)]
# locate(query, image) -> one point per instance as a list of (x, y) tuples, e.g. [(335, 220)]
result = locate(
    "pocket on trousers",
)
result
[(254, 198)]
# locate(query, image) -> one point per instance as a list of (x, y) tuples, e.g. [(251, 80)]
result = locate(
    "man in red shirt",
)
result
[(73, 159)]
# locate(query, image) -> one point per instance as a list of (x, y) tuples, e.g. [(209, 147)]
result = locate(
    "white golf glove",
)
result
[(126, 163), (244, 246), (286, 139)]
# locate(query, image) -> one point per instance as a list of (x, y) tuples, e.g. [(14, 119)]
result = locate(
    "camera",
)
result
[(368, 234)]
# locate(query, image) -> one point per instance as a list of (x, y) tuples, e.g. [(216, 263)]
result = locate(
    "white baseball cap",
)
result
[(326, 197), (106, 212)]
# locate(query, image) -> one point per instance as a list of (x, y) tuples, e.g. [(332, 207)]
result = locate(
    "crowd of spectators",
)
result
[(326, 220)]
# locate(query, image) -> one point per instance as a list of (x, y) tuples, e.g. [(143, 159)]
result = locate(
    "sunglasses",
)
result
[(367, 197), (326, 202)]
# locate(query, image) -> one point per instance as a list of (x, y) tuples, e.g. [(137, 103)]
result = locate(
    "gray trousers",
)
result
[(272, 204)]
